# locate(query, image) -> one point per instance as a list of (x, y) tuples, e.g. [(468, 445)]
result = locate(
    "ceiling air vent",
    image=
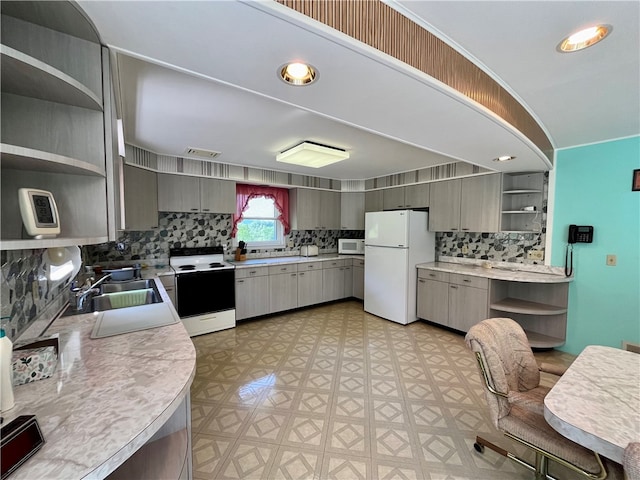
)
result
[(201, 154)]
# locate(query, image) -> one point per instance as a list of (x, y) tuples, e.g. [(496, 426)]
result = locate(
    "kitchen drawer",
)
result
[(358, 262), (286, 268), (211, 322), (309, 266), (333, 263), (469, 281), (252, 272), (433, 275)]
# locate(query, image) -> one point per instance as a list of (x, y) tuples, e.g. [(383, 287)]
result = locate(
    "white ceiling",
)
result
[(203, 75)]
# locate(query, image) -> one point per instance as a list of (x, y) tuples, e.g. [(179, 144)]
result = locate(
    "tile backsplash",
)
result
[(25, 291), (201, 229)]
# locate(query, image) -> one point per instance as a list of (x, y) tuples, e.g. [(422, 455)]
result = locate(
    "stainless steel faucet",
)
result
[(88, 293)]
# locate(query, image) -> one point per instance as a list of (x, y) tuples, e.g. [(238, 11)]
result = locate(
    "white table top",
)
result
[(596, 403)]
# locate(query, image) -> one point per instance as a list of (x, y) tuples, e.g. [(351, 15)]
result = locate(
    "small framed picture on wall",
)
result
[(635, 186)]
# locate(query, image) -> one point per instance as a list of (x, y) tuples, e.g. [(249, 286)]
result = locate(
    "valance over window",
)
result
[(244, 193)]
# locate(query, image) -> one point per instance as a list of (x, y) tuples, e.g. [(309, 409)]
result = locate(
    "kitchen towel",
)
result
[(130, 298)]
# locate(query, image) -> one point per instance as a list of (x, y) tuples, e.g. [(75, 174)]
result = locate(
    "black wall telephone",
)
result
[(580, 234), (577, 234)]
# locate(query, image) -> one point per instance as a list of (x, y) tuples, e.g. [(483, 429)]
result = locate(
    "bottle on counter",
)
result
[(6, 373)]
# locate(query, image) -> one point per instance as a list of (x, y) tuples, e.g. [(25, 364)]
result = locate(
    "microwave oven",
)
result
[(351, 246)]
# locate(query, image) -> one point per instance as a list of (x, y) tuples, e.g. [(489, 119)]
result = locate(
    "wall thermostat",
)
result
[(39, 212)]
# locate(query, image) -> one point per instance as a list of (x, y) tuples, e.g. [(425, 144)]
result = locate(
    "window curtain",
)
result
[(280, 197)]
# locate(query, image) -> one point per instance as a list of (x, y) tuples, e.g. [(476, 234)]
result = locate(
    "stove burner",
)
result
[(216, 265), (187, 267)]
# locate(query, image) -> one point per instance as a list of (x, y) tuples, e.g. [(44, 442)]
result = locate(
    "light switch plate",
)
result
[(612, 260)]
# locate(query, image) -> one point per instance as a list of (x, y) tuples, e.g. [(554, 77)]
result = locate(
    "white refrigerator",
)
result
[(395, 242)]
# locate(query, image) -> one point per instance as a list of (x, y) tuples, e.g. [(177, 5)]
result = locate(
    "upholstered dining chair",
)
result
[(515, 397), (631, 461)]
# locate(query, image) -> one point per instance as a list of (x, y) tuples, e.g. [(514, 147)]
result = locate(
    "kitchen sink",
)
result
[(107, 301), (126, 286), (110, 296)]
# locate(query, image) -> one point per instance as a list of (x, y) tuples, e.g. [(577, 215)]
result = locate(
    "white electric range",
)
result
[(205, 289)]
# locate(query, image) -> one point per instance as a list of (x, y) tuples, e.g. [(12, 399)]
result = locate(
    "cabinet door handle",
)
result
[(466, 280), (453, 286), (421, 280), (293, 274), (205, 209), (454, 228), (283, 269), (302, 274), (432, 274), (252, 272), (466, 229), (240, 281), (194, 209), (407, 205)]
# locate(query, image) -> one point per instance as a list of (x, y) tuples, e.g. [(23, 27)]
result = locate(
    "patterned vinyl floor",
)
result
[(335, 393)]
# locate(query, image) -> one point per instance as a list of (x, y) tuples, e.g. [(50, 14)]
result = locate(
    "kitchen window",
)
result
[(262, 217)]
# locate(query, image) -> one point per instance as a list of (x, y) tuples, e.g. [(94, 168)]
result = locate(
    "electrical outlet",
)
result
[(465, 249), (135, 249), (290, 243), (612, 260), (535, 255)]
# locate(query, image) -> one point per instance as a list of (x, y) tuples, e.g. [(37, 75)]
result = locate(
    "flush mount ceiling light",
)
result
[(314, 155), (504, 158), (297, 73), (584, 38)]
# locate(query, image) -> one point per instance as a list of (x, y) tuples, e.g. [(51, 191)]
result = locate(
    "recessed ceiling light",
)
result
[(297, 73), (504, 158), (314, 155), (584, 38)]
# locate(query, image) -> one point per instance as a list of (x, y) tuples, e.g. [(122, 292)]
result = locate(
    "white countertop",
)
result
[(596, 403), (254, 262), (501, 271), (106, 398)]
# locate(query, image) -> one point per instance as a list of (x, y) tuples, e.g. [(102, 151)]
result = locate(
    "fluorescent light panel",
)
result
[(312, 155)]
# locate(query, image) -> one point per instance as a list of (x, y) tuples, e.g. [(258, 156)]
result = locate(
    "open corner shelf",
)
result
[(538, 340), (21, 158), (515, 305), (30, 77)]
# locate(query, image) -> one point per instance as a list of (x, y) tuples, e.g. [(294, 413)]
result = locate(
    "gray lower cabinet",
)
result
[(309, 287), (358, 279), (252, 292), (140, 198), (453, 300), (348, 281), (333, 280), (283, 287)]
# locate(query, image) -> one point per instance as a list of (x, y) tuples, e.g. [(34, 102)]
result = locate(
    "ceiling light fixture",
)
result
[(313, 155), (504, 158), (584, 38), (297, 73)]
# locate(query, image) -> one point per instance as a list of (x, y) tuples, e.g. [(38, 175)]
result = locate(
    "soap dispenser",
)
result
[(6, 372)]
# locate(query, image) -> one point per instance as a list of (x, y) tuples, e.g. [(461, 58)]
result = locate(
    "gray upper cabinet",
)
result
[(480, 203), (417, 196), (470, 204), (444, 206), (140, 198), (410, 196), (179, 193), (314, 209), (373, 201), (217, 196), (352, 211), (56, 122)]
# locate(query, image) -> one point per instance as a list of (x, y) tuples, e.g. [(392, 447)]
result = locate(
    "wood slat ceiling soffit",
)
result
[(381, 27)]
